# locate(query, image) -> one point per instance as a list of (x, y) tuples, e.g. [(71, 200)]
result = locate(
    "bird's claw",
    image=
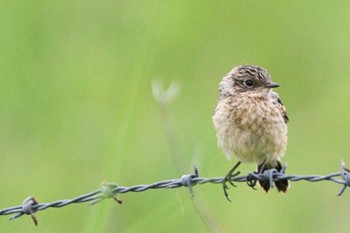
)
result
[(251, 180), (228, 179)]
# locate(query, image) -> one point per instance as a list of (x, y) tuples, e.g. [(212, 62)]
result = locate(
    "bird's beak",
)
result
[(272, 85)]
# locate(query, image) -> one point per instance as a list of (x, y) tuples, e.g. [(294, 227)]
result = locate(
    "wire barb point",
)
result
[(345, 174)]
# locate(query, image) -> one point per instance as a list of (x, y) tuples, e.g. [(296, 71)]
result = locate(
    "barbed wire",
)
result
[(109, 190)]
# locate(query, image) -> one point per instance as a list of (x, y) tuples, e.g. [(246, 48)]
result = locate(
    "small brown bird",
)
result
[(251, 121)]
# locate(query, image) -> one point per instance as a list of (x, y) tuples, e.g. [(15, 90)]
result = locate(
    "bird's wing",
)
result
[(279, 104)]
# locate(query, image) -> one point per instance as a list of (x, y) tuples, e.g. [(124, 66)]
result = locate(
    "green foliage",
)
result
[(76, 109)]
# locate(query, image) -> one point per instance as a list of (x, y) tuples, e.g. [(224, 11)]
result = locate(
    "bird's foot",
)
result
[(228, 179), (267, 174), (252, 180)]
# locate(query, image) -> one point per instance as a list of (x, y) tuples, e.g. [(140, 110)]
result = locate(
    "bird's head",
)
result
[(246, 78)]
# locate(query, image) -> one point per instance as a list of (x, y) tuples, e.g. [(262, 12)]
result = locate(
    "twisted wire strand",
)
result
[(108, 190)]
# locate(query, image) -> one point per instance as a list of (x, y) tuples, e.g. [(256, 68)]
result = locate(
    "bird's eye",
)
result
[(249, 83)]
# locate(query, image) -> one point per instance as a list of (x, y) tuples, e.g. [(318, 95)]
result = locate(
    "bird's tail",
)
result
[(281, 185)]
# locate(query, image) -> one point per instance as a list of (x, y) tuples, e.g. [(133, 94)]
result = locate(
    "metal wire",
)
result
[(108, 190)]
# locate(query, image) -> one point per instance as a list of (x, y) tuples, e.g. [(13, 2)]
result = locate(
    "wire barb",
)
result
[(345, 174), (27, 208), (186, 180), (109, 190)]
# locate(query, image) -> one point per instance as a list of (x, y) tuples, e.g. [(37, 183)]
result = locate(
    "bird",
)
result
[(250, 121)]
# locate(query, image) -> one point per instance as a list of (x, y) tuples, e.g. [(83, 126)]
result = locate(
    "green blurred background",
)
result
[(76, 109)]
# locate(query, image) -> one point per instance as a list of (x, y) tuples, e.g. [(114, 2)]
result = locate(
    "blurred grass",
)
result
[(76, 108)]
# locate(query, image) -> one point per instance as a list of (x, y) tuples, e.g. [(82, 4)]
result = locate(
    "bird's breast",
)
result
[(250, 128)]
